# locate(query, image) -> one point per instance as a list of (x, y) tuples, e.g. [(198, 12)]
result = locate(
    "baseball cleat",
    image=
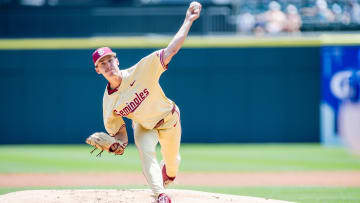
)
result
[(166, 179), (163, 198)]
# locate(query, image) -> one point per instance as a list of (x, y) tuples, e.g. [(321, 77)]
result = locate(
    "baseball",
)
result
[(196, 6)]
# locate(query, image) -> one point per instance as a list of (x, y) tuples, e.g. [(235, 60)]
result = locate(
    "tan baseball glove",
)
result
[(103, 141)]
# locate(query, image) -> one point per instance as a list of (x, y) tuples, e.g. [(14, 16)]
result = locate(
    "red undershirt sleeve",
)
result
[(110, 91)]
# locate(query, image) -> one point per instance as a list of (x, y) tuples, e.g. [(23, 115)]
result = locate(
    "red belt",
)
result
[(158, 124)]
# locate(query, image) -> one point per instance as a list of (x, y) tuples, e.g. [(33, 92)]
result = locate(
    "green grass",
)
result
[(267, 157), (195, 158), (296, 194)]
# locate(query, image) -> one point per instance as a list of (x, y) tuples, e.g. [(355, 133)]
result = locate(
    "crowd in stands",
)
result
[(290, 15), (242, 16)]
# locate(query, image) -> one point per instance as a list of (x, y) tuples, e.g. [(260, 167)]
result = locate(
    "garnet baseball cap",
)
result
[(101, 52)]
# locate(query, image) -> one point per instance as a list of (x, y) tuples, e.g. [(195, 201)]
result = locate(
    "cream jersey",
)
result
[(139, 96)]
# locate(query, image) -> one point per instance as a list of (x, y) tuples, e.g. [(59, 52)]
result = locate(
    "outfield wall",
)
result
[(229, 94)]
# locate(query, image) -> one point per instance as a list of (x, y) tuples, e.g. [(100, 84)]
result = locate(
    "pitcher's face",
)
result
[(107, 66)]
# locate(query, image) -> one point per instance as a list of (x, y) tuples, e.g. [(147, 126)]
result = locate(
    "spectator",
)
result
[(294, 21), (355, 12), (275, 19), (324, 14), (245, 22), (340, 15)]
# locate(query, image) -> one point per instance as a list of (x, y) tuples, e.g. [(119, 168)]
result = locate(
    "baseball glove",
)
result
[(103, 141)]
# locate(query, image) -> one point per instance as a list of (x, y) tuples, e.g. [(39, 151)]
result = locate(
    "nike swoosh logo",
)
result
[(131, 84), (175, 124)]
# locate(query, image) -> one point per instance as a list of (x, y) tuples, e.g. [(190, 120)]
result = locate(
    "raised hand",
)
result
[(193, 11)]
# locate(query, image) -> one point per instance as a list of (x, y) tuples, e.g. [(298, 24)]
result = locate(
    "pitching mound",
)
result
[(123, 196)]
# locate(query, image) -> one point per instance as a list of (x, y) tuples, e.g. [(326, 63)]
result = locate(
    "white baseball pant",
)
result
[(169, 136)]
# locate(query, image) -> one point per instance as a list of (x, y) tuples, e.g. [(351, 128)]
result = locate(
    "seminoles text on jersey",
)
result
[(134, 104)]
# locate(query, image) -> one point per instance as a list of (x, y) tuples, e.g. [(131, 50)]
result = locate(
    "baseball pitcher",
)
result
[(135, 93)]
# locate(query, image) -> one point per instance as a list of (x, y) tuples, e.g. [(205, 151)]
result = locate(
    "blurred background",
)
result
[(46, 18), (251, 71), (264, 87)]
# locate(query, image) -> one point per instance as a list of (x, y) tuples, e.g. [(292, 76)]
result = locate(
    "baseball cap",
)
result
[(101, 52)]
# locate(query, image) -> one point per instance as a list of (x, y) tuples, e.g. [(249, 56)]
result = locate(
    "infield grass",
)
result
[(195, 158)]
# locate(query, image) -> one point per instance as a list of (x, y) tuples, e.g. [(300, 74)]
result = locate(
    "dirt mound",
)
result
[(123, 196)]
